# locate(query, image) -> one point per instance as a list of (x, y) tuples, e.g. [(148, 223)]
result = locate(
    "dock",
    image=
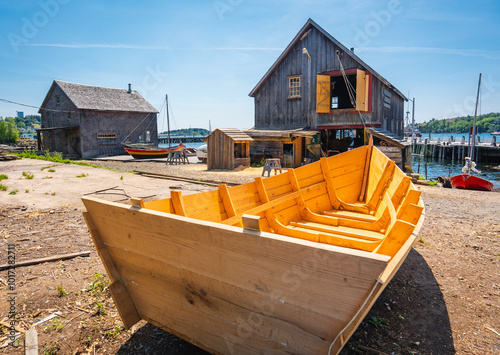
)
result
[(486, 152)]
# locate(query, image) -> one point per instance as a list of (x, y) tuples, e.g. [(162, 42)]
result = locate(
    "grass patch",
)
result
[(51, 170), (114, 332), (27, 190), (97, 286), (60, 291), (51, 349), (378, 321), (421, 240), (3, 187), (13, 192), (82, 175), (3, 177), (28, 175)]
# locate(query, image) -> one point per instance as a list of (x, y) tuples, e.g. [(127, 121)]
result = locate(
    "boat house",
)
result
[(318, 97), (228, 148), (83, 121)]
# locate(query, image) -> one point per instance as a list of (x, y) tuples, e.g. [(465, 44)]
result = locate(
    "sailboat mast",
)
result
[(471, 153), (168, 122)]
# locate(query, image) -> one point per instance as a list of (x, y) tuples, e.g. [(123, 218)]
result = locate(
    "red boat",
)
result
[(470, 182), (151, 152)]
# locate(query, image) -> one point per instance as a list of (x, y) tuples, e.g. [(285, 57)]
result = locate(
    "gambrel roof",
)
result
[(311, 24), (87, 97)]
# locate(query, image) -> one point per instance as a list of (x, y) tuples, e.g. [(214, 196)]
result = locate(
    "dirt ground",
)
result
[(445, 299)]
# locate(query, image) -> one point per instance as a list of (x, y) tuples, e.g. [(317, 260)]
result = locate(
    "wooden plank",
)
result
[(412, 214), (126, 308), (382, 185), (412, 197), (176, 197), (45, 260), (362, 193), (251, 222), (31, 342), (334, 200), (212, 296), (226, 200), (261, 189), (398, 235), (137, 202)]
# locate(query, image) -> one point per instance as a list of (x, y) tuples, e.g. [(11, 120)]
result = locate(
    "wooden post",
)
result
[(31, 342), (367, 168)]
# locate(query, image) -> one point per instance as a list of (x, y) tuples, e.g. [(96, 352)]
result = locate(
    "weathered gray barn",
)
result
[(318, 85), (83, 121)]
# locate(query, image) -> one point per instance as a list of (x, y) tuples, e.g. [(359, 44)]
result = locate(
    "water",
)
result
[(446, 167)]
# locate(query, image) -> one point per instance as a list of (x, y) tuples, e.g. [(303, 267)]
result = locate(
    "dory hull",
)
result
[(151, 152), (185, 264), (470, 182)]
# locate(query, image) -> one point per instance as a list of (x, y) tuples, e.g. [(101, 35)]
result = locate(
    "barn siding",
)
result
[(274, 110), (82, 141)]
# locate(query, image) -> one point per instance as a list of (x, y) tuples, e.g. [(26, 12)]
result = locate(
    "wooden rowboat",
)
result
[(139, 152), (289, 264)]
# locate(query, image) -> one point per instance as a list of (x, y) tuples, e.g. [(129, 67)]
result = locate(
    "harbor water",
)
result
[(447, 167)]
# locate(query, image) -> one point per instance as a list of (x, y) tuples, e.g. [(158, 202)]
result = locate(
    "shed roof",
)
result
[(235, 134), (388, 137), (88, 97), (310, 23)]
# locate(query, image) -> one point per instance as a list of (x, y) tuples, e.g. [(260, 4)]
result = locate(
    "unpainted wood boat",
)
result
[(290, 264)]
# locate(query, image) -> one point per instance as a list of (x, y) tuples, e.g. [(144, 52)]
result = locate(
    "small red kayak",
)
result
[(470, 182)]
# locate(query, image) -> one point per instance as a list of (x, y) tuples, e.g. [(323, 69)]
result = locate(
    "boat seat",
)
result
[(340, 230)]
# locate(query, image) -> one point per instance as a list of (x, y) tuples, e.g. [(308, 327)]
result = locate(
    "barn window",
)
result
[(294, 86), (334, 92), (68, 115), (106, 138), (58, 100)]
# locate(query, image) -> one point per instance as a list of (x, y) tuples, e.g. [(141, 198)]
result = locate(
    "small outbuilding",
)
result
[(228, 148), (84, 121)]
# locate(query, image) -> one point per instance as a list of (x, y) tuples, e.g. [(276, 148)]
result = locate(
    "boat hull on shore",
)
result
[(151, 152), (470, 182), (289, 264)]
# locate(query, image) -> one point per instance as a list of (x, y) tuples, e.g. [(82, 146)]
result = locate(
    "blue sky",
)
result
[(208, 55)]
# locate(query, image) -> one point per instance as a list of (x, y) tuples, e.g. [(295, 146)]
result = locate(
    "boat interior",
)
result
[(359, 199)]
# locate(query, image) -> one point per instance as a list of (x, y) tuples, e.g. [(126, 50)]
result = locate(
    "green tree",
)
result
[(8, 131)]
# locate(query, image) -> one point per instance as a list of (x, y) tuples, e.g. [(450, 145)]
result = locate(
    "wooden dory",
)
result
[(289, 264)]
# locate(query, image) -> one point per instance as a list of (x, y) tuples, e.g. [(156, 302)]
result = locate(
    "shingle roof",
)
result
[(87, 97)]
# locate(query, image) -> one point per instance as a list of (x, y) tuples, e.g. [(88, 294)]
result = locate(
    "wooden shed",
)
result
[(228, 148), (395, 148)]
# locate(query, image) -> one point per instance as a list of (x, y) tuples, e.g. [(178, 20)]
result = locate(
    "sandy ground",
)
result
[(445, 299)]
